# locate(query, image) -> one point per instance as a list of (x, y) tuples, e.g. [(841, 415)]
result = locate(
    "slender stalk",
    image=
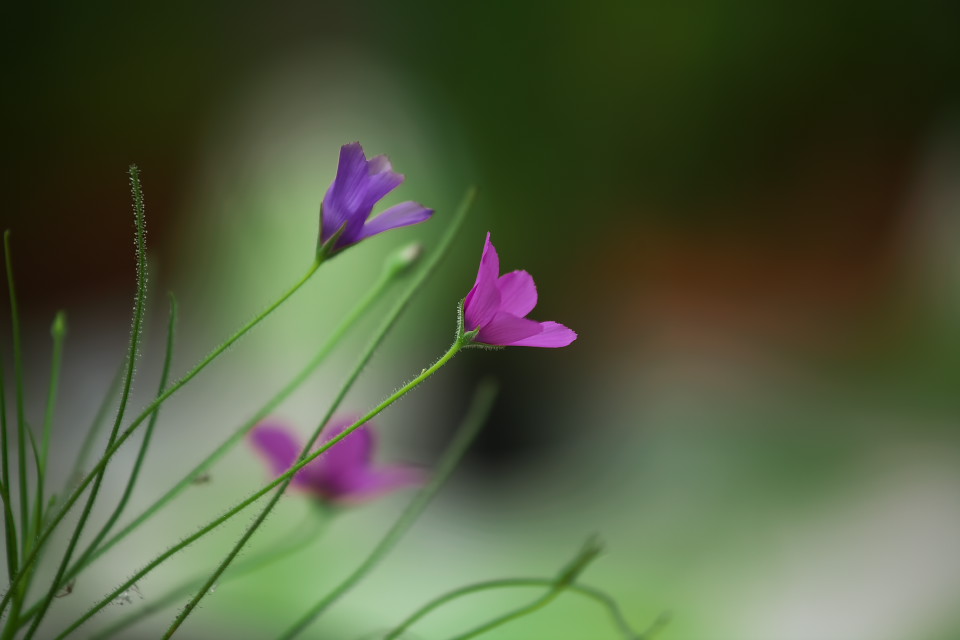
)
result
[(388, 323), (142, 453), (99, 419), (427, 269), (18, 592), (18, 377), (476, 417), (111, 450), (58, 331), (566, 580), (9, 521), (135, 336), (302, 538), (604, 599)]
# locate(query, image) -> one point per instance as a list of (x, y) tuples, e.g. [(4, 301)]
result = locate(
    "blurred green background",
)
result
[(747, 210)]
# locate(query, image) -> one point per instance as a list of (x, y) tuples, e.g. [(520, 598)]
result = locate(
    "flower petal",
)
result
[(347, 190), (400, 215), (518, 293), (279, 446), (552, 334), (378, 164), (506, 329), (379, 182), (344, 460), (483, 301)]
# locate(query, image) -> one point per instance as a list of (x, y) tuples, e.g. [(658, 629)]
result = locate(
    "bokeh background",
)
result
[(748, 211)]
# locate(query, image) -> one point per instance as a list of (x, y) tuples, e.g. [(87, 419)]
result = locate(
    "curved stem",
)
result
[(9, 521), (58, 331), (99, 419), (18, 377), (142, 453), (381, 334), (18, 592), (476, 417), (598, 596), (564, 580)]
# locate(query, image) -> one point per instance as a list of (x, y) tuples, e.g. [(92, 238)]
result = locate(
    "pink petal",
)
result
[(400, 215), (507, 329), (483, 301), (279, 446), (552, 334), (351, 453), (518, 293)]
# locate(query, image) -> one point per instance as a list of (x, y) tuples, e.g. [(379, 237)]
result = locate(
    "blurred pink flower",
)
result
[(497, 305), (345, 473)]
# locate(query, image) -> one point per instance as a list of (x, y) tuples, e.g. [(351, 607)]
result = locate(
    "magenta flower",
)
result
[(497, 305), (359, 185), (345, 474)]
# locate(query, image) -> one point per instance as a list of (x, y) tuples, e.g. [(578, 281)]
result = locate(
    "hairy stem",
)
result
[(136, 333)]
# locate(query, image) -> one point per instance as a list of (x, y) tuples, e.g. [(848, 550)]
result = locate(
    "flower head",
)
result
[(344, 474), (360, 184), (497, 306)]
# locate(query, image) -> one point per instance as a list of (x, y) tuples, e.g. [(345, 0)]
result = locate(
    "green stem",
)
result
[(388, 323), (301, 539), (476, 417), (142, 453), (58, 331), (99, 419), (596, 595), (565, 580), (108, 454), (9, 521), (18, 592), (427, 269), (18, 376)]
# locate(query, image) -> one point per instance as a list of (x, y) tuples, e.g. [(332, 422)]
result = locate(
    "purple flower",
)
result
[(497, 305), (359, 185), (345, 474)]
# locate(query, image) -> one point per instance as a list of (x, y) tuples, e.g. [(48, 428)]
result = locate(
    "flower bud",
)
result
[(402, 260)]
